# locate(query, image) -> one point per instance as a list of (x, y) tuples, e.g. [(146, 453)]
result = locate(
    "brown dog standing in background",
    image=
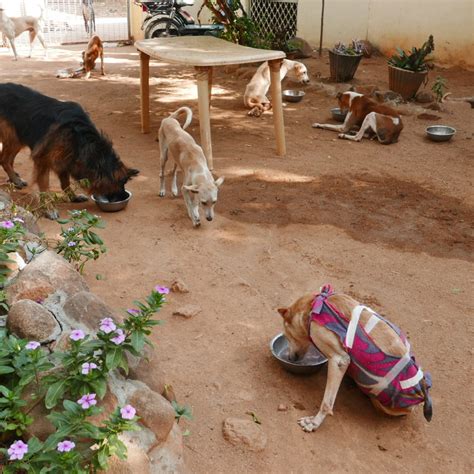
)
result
[(95, 48)]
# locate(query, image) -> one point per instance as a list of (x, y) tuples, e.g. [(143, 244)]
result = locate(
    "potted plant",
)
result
[(344, 60), (407, 71)]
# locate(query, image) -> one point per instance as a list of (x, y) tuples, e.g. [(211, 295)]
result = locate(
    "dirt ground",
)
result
[(390, 225)]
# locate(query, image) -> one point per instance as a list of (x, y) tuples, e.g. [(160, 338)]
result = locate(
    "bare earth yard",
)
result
[(390, 225)]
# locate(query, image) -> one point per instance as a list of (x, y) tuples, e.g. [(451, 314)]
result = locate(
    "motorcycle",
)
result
[(167, 18)]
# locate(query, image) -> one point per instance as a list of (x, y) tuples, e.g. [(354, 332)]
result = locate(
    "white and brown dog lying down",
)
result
[(255, 97), (373, 351), (94, 49), (199, 186), (12, 27), (372, 117)]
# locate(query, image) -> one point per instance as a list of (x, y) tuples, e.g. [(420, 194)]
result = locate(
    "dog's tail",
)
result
[(189, 115), (428, 405)]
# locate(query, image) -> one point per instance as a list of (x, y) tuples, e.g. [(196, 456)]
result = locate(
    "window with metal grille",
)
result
[(275, 16)]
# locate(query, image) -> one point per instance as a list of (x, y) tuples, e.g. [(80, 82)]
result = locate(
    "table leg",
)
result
[(145, 91), (203, 74), (277, 105), (210, 85)]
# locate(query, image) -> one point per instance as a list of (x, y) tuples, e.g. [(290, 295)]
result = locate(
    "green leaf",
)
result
[(138, 340), (113, 358), (54, 393), (4, 369), (100, 386), (34, 445)]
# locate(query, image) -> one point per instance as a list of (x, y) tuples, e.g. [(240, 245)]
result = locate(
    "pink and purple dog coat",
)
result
[(394, 381)]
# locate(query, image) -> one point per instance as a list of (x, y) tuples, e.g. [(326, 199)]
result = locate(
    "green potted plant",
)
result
[(407, 71), (344, 60)]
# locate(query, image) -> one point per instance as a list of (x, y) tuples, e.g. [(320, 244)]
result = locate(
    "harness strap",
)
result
[(371, 323), (412, 381)]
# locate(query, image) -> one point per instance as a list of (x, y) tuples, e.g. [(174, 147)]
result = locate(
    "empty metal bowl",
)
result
[(338, 115), (293, 95), (440, 133), (111, 206), (309, 364)]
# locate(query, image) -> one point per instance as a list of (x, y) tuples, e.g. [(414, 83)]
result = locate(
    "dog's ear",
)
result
[(285, 313), (338, 95), (131, 172), (219, 181), (193, 188), (351, 89)]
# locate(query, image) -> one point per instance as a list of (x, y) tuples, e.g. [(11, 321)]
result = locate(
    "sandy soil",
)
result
[(387, 224)]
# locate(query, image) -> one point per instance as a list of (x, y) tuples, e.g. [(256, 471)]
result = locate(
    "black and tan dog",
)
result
[(62, 138)]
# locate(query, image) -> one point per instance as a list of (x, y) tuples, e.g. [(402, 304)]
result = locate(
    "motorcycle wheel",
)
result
[(161, 29)]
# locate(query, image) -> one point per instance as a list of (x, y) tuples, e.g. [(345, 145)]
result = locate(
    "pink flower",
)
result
[(119, 338), (17, 450), (87, 400), (133, 311), (7, 225), (107, 325), (162, 290), (128, 412), (32, 345), (77, 335), (87, 367), (66, 446)]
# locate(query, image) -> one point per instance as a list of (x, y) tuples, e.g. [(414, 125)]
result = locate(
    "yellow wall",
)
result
[(391, 23)]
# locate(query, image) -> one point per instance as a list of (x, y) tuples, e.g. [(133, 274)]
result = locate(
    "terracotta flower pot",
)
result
[(343, 66), (405, 82)]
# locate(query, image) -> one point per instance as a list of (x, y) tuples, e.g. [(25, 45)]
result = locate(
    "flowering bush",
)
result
[(78, 379), (11, 232), (79, 243)]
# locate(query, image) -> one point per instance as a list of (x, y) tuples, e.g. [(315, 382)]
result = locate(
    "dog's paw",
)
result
[(19, 183), (341, 135), (162, 194), (79, 198), (52, 214), (175, 193), (308, 423), (197, 223), (316, 125)]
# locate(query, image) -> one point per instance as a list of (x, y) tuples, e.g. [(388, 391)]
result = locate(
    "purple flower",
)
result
[(107, 325), (66, 446), (71, 244), (17, 450), (119, 338), (87, 367), (128, 412), (18, 219), (162, 290), (133, 311), (87, 400), (77, 335), (32, 345), (7, 225), (70, 229)]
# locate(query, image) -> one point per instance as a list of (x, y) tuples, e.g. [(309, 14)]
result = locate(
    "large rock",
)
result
[(29, 320), (87, 308), (154, 410), (41, 426), (302, 48), (47, 273), (247, 433), (137, 461), (424, 97), (147, 369), (168, 457)]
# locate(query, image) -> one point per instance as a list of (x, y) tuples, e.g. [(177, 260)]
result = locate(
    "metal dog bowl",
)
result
[(440, 133), (338, 114), (293, 95), (111, 206), (309, 364)]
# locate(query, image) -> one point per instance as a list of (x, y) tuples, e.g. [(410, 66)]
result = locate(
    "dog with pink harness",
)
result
[(396, 382)]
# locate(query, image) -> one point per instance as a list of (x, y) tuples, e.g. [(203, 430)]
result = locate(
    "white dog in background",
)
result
[(255, 97), (11, 27), (199, 187)]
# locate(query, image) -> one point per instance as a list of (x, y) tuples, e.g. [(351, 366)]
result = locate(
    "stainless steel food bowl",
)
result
[(338, 115), (107, 206), (440, 133), (293, 95), (309, 364)]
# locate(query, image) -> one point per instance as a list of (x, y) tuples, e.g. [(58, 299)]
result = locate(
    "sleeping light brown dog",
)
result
[(374, 352), (255, 97), (95, 48)]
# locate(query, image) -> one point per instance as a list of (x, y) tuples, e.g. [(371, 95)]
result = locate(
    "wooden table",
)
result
[(203, 53)]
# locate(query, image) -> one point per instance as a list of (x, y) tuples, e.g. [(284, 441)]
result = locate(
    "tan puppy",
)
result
[(199, 187), (372, 118), (255, 97), (95, 48), (300, 321), (12, 27)]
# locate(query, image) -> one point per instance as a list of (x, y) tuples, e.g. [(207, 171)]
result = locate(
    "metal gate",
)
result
[(275, 16), (63, 22)]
